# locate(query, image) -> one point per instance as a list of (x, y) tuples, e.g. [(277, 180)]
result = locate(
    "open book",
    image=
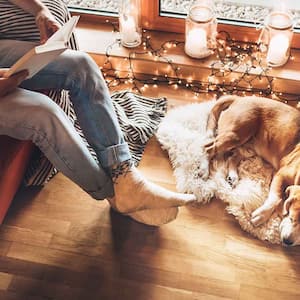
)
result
[(38, 57)]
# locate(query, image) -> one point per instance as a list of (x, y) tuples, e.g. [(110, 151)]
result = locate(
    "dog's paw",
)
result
[(257, 220), (261, 215)]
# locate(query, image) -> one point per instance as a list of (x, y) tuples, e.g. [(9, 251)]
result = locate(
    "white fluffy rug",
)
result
[(182, 133)]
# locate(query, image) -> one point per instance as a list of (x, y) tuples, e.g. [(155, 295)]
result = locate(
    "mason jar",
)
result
[(130, 23), (276, 37), (200, 29)]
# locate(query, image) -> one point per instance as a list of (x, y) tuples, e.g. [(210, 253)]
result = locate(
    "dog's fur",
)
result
[(272, 129)]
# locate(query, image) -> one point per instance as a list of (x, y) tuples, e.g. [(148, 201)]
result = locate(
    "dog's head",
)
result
[(290, 224)]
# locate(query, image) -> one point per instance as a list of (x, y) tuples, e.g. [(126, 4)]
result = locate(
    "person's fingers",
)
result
[(3, 71), (7, 85), (20, 76), (53, 25), (48, 28), (43, 31), (52, 28)]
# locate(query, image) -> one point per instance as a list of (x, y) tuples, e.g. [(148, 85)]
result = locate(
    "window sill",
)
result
[(96, 38)]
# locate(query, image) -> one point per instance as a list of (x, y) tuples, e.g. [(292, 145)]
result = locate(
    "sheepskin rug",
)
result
[(183, 133)]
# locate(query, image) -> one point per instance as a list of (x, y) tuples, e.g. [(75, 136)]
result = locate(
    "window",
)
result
[(232, 11), (100, 7), (169, 15), (250, 12), (236, 17)]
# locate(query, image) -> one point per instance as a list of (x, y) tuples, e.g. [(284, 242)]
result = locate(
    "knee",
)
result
[(85, 77), (80, 64)]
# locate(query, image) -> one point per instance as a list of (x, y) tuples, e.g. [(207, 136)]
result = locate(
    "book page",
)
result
[(35, 62), (64, 33)]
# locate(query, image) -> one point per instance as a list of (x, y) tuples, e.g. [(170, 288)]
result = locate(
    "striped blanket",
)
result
[(138, 116)]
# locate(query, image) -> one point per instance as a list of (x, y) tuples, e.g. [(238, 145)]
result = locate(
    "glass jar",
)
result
[(276, 38), (200, 29), (130, 23)]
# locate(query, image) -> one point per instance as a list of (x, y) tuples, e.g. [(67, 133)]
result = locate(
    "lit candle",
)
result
[(129, 33), (278, 48), (196, 42)]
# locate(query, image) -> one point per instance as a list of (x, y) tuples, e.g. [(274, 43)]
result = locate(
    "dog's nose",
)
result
[(287, 242)]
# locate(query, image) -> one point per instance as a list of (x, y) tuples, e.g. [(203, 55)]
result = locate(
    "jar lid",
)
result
[(279, 20), (201, 14)]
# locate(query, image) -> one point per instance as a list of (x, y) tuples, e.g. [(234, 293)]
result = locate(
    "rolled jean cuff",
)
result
[(115, 155), (106, 191)]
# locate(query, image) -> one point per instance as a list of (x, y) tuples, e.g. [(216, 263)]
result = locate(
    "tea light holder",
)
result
[(276, 38), (130, 23), (200, 29)]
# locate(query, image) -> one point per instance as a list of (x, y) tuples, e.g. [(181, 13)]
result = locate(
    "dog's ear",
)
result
[(286, 206), (289, 198), (288, 191)]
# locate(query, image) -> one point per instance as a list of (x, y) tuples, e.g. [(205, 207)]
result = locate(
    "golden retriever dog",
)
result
[(272, 130)]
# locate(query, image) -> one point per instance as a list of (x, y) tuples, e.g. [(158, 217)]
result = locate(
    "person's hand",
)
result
[(46, 24), (7, 85)]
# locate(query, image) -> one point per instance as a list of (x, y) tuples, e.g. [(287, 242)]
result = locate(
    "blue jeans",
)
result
[(30, 115)]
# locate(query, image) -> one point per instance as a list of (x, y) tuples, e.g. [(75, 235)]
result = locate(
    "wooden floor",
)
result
[(58, 243)]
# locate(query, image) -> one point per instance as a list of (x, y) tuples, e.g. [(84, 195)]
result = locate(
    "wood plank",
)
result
[(4, 247), (24, 235), (5, 280), (9, 295), (181, 281), (63, 259), (137, 290), (252, 292), (39, 288), (32, 222)]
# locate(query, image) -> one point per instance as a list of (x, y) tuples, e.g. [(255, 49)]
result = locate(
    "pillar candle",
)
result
[(277, 51), (196, 42), (128, 30)]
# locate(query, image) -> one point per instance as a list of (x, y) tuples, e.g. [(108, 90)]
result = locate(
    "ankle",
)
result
[(120, 170)]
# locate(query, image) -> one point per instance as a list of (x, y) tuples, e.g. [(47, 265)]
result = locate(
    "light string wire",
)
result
[(232, 57)]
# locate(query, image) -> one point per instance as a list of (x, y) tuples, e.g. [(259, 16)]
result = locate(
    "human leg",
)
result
[(76, 72), (33, 116)]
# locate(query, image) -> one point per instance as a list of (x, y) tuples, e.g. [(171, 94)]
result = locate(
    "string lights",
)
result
[(239, 68)]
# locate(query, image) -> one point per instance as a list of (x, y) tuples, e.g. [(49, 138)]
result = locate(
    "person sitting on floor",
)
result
[(28, 115)]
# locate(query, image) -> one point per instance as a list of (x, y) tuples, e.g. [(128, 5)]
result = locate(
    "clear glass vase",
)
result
[(276, 38), (200, 29), (130, 23)]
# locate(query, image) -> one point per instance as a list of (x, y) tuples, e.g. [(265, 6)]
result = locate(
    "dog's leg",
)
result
[(264, 212)]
